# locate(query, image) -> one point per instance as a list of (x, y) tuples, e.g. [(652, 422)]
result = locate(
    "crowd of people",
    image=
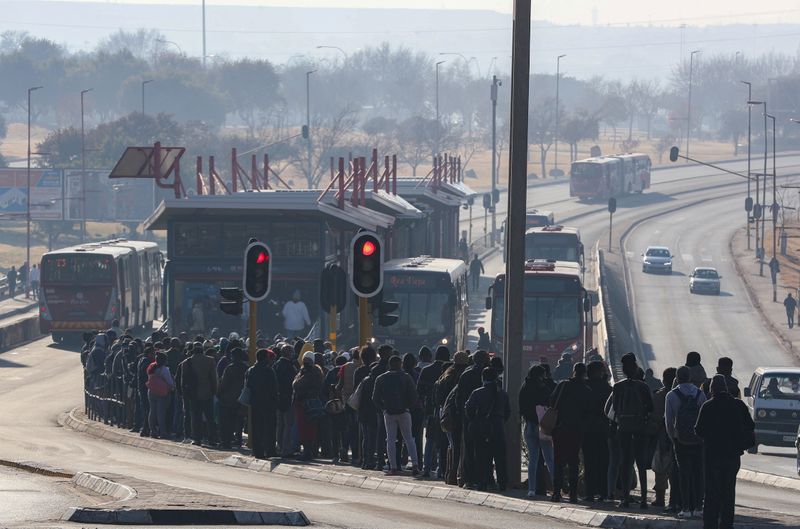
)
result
[(438, 415), (18, 282)]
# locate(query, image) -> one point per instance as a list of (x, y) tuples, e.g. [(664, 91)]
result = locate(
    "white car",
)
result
[(657, 259), (704, 279)]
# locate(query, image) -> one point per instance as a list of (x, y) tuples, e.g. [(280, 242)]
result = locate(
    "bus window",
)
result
[(77, 269)]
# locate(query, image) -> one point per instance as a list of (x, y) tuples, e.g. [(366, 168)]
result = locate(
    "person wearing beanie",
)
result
[(698, 375), (631, 404), (681, 411), (487, 410), (433, 430), (469, 381), (572, 399), (725, 425), (425, 357), (725, 368), (307, 387)]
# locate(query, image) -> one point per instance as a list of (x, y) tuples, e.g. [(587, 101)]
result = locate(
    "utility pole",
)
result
[(308, 123), (144, 83), (28, 198), (774, 209), (83, 169), (749, 124), (493, 95), (204, 35), (437, 89), (689, 108), (555, 171), (515, 238)]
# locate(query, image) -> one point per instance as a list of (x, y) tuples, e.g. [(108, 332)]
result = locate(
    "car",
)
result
[(797, 445), (657, 259), (773, 400), (704, 279)]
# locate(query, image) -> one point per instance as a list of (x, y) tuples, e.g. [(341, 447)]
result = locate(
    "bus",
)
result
[(433, 310), (534, 218), (604, 177), (86, 287), (556, 309), (558, 243)]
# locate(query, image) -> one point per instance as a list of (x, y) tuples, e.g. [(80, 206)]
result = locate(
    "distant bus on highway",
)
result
[(609, 176), (553, 312), (557, 243), (534, 218), (86, 287), (433, 303)]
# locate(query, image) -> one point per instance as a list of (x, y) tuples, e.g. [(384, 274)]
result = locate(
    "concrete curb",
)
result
[(104, 486), (424, 489), (184, 517), (37, 468), (18, 333), (19, 310)]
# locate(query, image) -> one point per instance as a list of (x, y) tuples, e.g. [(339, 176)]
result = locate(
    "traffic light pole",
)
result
[(332, 326), (364, 321), (251, 356)]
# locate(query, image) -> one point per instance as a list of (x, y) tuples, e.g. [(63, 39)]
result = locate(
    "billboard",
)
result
[(46, 194)]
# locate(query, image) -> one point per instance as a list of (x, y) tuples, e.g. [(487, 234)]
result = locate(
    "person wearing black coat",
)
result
[(487, 410), (450, 452), (535, 392), (231, 415), (469, 381), (595, 437), (263, 384), (285, 371), (433, 431), (572, 398), (726, 428)]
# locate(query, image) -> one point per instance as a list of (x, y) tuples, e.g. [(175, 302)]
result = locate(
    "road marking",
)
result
[(707, 260), (687, 257), (324, 502)]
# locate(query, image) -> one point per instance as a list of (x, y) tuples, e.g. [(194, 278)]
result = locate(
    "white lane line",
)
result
[(687, 257), (707, 260)]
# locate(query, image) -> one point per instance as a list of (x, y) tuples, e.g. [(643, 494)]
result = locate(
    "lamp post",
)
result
[(760, 249), (144, 83), (437, 89), (28, 198), (308, 121), (493, 95), (749, 123), (83, 169), (555, 171), (180, 50), (774, 206), (463, 58), (689, 107), (334, 48), (204, 36)]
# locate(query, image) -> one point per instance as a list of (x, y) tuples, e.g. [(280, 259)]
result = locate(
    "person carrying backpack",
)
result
[(630, 404), (680, 415), (487, 410)]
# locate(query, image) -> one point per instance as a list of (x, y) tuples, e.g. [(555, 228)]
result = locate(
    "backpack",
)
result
[(156, 384), (631, 415), (448, 420), (686, 418)]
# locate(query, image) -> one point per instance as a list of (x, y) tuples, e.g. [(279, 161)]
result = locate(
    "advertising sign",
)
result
[(46, 194)]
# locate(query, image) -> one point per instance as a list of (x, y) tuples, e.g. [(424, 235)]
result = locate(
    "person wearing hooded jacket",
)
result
[(469, 381), (263, 384), (595, 439), (564, 368), (231, 419), (307, 385), (285, 372), (697, 373), (726, 427), (535, 393), (160, 385), (487, 410), (688, 453), (433, 430)]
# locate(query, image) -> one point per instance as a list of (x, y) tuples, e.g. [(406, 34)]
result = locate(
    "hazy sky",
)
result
[(673, 12)]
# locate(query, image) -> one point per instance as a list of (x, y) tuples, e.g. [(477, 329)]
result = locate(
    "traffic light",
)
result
[(748, 204), (385, 310), (366, 264), (612, 205), (304, 132), (257, 268), (234, 298), (495, 196), (333, 288), (673, 154), (487, 201)]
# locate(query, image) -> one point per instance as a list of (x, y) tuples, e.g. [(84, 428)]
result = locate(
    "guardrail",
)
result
[(605, 329), (108, 399)]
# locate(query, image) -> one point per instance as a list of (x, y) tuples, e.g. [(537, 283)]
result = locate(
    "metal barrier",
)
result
[(109, 399)]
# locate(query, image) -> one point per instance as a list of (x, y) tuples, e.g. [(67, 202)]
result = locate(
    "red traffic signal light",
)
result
[(257, 271), (366, 264)]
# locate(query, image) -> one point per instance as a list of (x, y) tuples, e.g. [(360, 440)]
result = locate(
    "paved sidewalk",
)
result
[(16, 305), (595, 515)]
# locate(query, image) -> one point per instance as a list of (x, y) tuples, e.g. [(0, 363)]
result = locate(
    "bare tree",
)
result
[(326, 136), (541, 124)]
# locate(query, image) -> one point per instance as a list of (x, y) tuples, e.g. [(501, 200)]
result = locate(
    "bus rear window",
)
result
[(586, 170), (77, 269)]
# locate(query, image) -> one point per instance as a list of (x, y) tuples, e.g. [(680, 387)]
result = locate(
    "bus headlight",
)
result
[(761, 414), (444, 341)]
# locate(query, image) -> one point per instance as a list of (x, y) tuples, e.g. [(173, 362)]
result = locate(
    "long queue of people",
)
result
[(437, 415)]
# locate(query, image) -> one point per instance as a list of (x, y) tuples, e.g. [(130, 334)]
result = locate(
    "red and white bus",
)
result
[(555, 243), (553, 312), (87, 287), (610, 176)]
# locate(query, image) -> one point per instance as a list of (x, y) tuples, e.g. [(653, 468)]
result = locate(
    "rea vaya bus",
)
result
[(609, 176), (534, 218), (554, 243), (433, 310), (86, 287), (555, 312)]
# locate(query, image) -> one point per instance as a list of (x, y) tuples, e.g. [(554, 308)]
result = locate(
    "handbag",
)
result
[(245, 396), (540, 411), (334, 407), (549, 420), (314, 408), (355, 399)]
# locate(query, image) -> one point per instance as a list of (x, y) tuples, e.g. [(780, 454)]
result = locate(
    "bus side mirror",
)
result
[(488, 302), (587, 304), (747, 392)]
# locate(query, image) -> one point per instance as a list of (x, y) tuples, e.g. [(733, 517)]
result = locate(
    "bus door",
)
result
[(135, 285), (123, 297), (146, 281)]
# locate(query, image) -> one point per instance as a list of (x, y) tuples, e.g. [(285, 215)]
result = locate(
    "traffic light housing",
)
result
[(333, 288), (673, 154), (612, 205), (233, 297), (257, 271), (366, 264), (487, 201), (386, 318), (495, 196)]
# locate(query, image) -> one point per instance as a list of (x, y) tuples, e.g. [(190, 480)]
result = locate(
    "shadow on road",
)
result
[(4, 363)]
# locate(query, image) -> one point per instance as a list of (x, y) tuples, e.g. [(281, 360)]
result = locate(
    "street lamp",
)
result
[(774, 208), (493, 96), (83, 170), (204, 36), (437, 89), (463, 58), (28, 198), (165, 41), (760, 249), (148, 81), (334, 48), (689, 107), (555, 171), (749, 123), (308, 121)]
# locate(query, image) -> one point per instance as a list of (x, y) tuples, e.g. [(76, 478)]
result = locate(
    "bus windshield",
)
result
[(558, 246), (587, 170), (77, 269), (547, 318), (421, 313)]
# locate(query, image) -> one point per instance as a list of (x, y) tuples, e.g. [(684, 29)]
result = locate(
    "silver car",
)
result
[(704, 279), (657, 259)]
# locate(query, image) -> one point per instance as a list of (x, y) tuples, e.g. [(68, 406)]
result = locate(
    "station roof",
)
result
[(413, 188), (261, 202), (396, 205)]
